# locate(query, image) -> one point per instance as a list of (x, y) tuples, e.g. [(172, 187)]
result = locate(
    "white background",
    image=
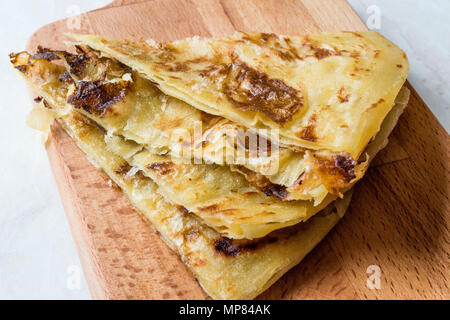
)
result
[(37, 254)]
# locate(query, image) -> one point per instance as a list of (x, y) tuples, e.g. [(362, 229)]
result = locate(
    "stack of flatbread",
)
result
[(241, 151)]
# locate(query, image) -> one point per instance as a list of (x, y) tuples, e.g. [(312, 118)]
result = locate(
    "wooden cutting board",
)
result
[(398, 220)]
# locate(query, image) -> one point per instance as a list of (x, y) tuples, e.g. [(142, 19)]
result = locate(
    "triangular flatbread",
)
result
[(199, 208)]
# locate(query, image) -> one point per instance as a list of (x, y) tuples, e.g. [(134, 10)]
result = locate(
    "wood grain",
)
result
[(398, 220), (122, 257)]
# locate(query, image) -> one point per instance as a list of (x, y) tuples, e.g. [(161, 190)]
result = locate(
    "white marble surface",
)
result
[(421, 29), (37, 254)]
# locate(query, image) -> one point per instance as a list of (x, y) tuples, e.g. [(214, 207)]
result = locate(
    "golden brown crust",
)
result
[(262, 183), (162, 168), (233, 248), (335, 171), (96, 96), (251, 90), (44, 53)]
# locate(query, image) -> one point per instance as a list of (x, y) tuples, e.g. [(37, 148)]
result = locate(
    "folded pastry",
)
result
[(326, 94), (178, 129), (328, 91), (161, 119)]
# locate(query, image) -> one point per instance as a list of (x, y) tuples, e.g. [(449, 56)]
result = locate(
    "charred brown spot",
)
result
[(197, 60), (263, 184), (270, 41), (13, 57), (265, 37), (179, 67), (342, 96), (38, 99), (233, 247), (335, 172), (21, 68), (346, 166), (124, 169), (101, 128), (182, 209), (339, 167), (96, 97), (374, 105), (213, 207), (162, 168), (285, 55), (45, 54), (251, 90), (321, 53), (399, 66), (293, 51), (66, 77), (260, 38), (289, 54), (202, 144), (355, 54), (275, 190), (77, 63), (82, 50), (224, 245), (214, 71), (208, 119), (308, 132), (46, 104)]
